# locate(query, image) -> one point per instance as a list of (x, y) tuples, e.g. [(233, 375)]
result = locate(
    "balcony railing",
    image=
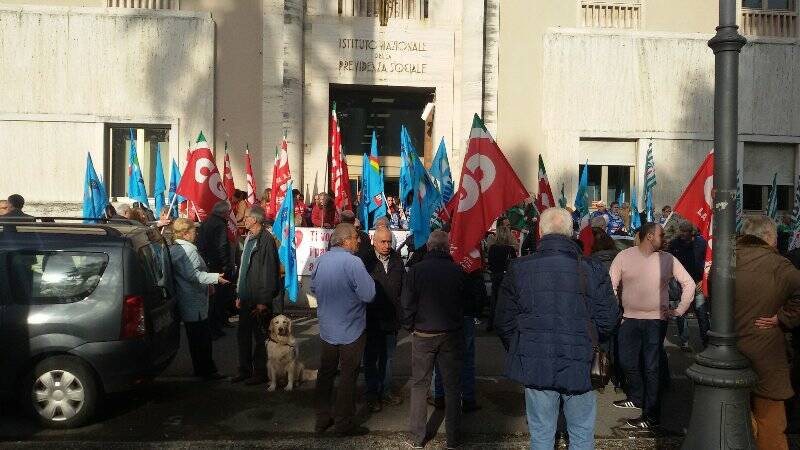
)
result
[(144, 4), (397, 9), (611, 14), (759, 22)]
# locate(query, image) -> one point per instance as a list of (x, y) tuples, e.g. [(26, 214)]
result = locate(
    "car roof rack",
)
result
[(49, 224)]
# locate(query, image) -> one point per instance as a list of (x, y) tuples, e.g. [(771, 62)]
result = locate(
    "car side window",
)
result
[(54, 277), (154, 257)]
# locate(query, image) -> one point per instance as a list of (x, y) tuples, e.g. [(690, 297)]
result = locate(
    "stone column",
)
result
[(293, 81), (491, 45), (282, 89)]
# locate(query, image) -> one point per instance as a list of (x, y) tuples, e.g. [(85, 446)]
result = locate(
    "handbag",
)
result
[(601, 364)]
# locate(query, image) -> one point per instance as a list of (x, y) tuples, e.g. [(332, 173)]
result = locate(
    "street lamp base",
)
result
[(721, 407)]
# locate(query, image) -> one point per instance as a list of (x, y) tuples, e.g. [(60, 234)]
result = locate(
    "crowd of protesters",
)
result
[(554, 297)]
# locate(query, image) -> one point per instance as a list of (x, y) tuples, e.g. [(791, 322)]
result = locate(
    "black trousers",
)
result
[(642, 341), (497, 280), (448, 350), (200, 348), (219, 306), (347, 358), (251, 336)]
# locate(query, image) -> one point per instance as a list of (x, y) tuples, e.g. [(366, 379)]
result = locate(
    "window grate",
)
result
[(397, 9), (144, 4), (772, 23), (611, 14)]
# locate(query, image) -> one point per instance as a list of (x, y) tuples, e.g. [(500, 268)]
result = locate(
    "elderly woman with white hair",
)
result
[(192, 283)]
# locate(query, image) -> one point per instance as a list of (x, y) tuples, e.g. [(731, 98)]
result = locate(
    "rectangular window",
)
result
[(751, 197), (55, 277), (147, 138), (608, 183), (755, 197), (769, 4)]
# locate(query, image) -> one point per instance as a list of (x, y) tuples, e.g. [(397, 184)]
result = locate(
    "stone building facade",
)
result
[(572, 80), (246, 73)]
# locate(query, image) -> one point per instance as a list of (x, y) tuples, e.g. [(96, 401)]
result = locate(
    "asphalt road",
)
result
[(179, 411)]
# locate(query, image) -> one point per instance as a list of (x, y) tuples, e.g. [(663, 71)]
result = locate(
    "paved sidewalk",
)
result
[(178, 409)]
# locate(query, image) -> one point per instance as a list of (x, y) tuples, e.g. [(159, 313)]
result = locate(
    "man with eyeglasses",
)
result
[(258, 287), (343, 287)]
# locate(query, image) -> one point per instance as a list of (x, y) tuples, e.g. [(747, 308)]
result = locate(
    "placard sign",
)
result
[(311, 243)]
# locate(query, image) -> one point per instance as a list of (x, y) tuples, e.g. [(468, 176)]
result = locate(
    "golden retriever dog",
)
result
[(283, 356)]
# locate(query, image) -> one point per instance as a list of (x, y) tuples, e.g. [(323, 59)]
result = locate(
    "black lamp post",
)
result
[(721, 375)]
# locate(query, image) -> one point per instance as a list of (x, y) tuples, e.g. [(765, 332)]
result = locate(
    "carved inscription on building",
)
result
[(382, 56)]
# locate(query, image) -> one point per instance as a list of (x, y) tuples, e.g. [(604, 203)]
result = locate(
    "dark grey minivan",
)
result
[(85, 310)]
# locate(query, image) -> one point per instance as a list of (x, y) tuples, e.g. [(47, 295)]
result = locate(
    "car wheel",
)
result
[(62, 392)]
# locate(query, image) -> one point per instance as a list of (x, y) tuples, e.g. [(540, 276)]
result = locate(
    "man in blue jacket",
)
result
[(549, 303), (343, 288)]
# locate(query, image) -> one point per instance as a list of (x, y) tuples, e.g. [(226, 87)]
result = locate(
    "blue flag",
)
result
[(136, 189), (562, 201), (174, 181), (373, 194), (283, 229), (440, 171), (95, 198), (772, 202), (739, 207), (649, 183), (426, 201), (160, 185), (582, 197), (406, 178), (363, 201), (636, 218)]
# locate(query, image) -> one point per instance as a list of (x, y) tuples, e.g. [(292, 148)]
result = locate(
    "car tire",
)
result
[(62, 392)]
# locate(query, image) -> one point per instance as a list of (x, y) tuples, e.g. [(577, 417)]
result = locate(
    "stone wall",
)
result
[(69, 71), (659, 86)]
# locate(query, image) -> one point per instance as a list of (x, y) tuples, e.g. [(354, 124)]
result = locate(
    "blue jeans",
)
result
[(378, 358), (468, 371), (701, 313), (542, 409), (641, 353)]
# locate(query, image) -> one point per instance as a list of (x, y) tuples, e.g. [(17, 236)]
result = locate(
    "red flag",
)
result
[(695, 206), (230, 188), (488, 187), (252, 199), (545, 197), (202, 184), (340, 178), (280, 177)]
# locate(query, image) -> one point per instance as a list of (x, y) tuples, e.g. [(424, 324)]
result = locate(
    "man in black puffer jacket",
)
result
[(549, 303), (433, 311), (216, 250), (383, 319)]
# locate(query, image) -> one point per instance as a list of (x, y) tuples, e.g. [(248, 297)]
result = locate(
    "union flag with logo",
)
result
[(202, 184), (340, 178), (695, 206), (280, 176), (488, 187)]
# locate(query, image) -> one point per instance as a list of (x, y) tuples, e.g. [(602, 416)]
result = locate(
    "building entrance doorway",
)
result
[(383, 109)]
